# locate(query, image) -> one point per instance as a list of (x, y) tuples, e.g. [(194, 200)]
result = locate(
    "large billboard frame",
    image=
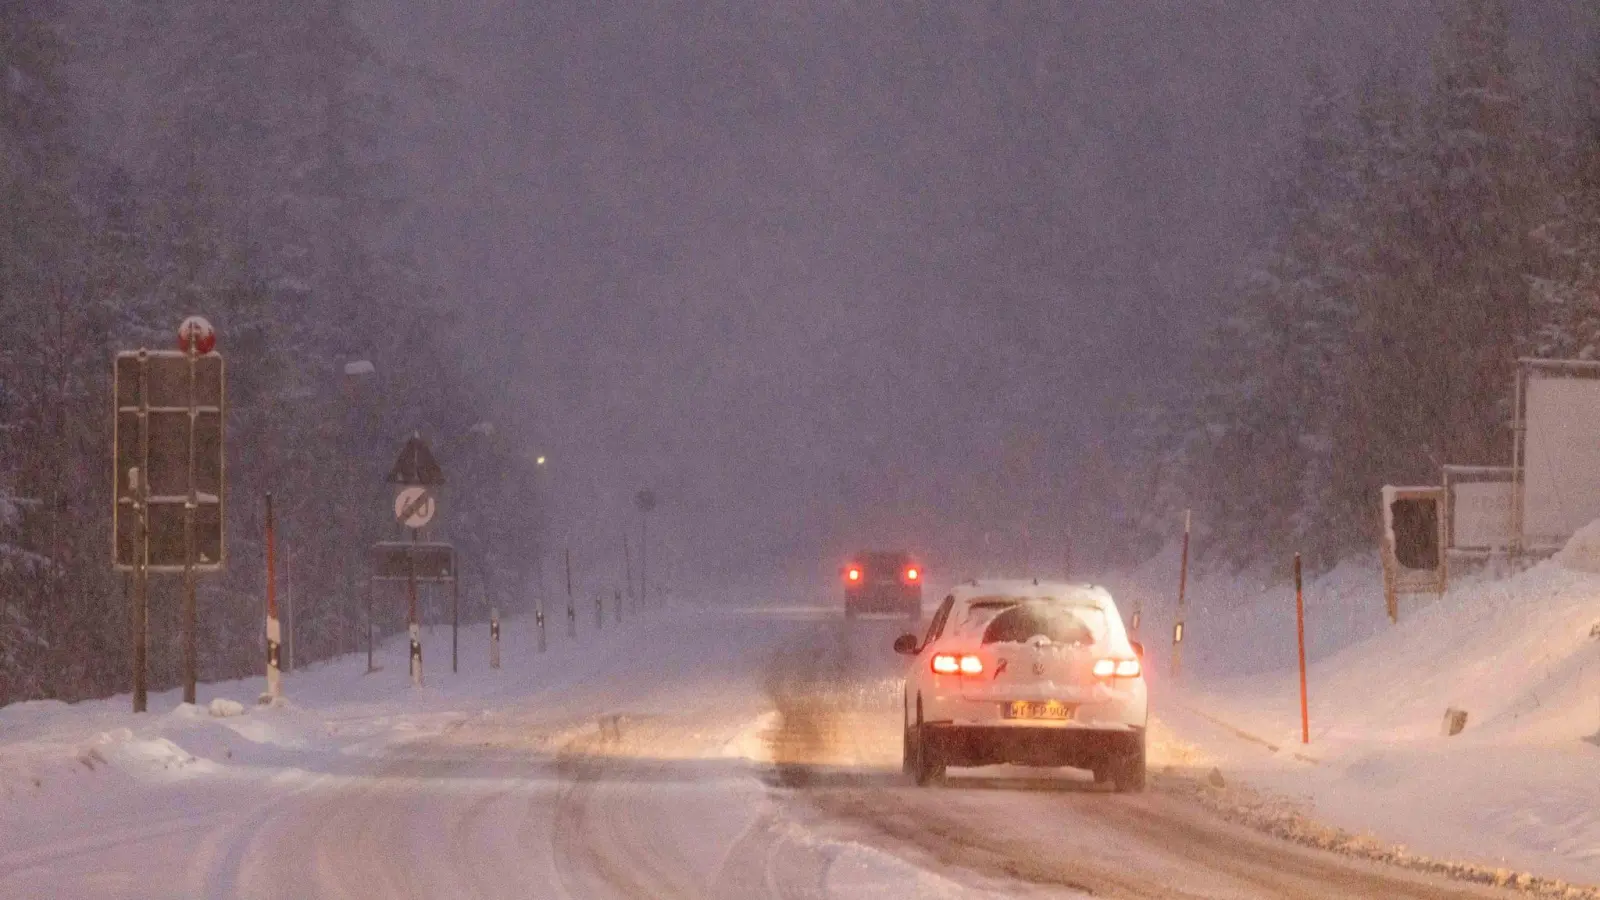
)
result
[(1538, 453)]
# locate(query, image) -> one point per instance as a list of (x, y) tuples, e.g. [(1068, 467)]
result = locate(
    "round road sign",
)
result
[(197, 334), (413, 507)]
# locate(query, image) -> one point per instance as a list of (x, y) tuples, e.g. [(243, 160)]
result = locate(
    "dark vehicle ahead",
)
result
[(883, 582)]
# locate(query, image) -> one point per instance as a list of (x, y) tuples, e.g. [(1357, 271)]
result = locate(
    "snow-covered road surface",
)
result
[(697, 753)]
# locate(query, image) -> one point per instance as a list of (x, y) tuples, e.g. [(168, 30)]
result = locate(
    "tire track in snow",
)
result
[(591, 841)]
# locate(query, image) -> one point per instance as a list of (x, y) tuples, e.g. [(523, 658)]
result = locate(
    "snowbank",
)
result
[(1582, 552), (1519, 787)]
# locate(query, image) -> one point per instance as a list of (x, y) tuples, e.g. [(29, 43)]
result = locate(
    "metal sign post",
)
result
[(141, 595), (411, 616), (140, 475), (191, 505)]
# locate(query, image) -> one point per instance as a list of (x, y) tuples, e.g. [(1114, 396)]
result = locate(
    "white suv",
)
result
[(1027, 673)]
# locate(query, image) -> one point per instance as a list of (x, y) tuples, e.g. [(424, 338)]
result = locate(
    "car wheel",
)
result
[(926, 766), (1128, 770), (1102, 771)]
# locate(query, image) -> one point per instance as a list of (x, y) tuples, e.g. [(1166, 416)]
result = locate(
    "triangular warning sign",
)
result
[(416, 465)]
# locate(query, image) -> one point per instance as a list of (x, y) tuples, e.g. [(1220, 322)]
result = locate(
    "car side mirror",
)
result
[(906, 645), (1138, 649)]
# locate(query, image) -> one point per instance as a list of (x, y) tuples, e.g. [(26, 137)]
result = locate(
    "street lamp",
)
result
[(355, 372)]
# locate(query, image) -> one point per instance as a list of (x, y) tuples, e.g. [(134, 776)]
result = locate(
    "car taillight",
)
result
[(853, 575), (912, 574), (1117, 668), (951, 664)]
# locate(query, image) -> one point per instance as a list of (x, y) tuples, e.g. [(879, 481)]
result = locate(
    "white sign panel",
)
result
[(1561, 458), (1480, 515)]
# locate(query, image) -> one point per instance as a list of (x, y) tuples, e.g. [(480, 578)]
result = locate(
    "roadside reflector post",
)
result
[(1183, 581), (1300, 632), (538, 621), (627, 568), (599, 612), (416, 655), (274, 631), (616, 606), (572, 612), (455, 618), (494, 638), (370, 588)]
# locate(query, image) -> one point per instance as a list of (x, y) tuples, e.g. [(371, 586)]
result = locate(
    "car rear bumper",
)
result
[(991, 745), (1103, 710)]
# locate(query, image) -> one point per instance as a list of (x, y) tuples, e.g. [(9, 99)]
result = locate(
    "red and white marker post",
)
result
[(1183, 582), (494, 638), (274, 630)]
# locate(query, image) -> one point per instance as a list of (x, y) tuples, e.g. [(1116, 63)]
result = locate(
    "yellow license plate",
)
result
[(1037, 709)]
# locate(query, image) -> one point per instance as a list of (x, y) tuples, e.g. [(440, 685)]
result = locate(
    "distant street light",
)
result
[(355, 372), (539, 461)]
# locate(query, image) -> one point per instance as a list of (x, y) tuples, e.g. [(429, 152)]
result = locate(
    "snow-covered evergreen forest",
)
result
[(145, 176), (1438, 221)]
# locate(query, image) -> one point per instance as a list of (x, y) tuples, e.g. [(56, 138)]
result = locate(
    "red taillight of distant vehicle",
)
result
[(913, 573), (852, 575)]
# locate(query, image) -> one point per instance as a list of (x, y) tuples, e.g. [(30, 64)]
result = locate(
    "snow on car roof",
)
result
[(998, 590)]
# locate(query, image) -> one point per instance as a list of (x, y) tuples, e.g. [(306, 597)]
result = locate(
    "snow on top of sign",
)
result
[(359, 367)]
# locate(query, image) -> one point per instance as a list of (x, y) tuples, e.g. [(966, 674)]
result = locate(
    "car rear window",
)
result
[(1021, 619), (885, 563)]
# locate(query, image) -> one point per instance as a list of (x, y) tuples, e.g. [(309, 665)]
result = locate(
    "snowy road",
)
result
[(742, 754)]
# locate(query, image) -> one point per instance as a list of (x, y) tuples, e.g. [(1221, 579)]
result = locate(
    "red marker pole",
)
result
[(1183, 582), (1300, 630)]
